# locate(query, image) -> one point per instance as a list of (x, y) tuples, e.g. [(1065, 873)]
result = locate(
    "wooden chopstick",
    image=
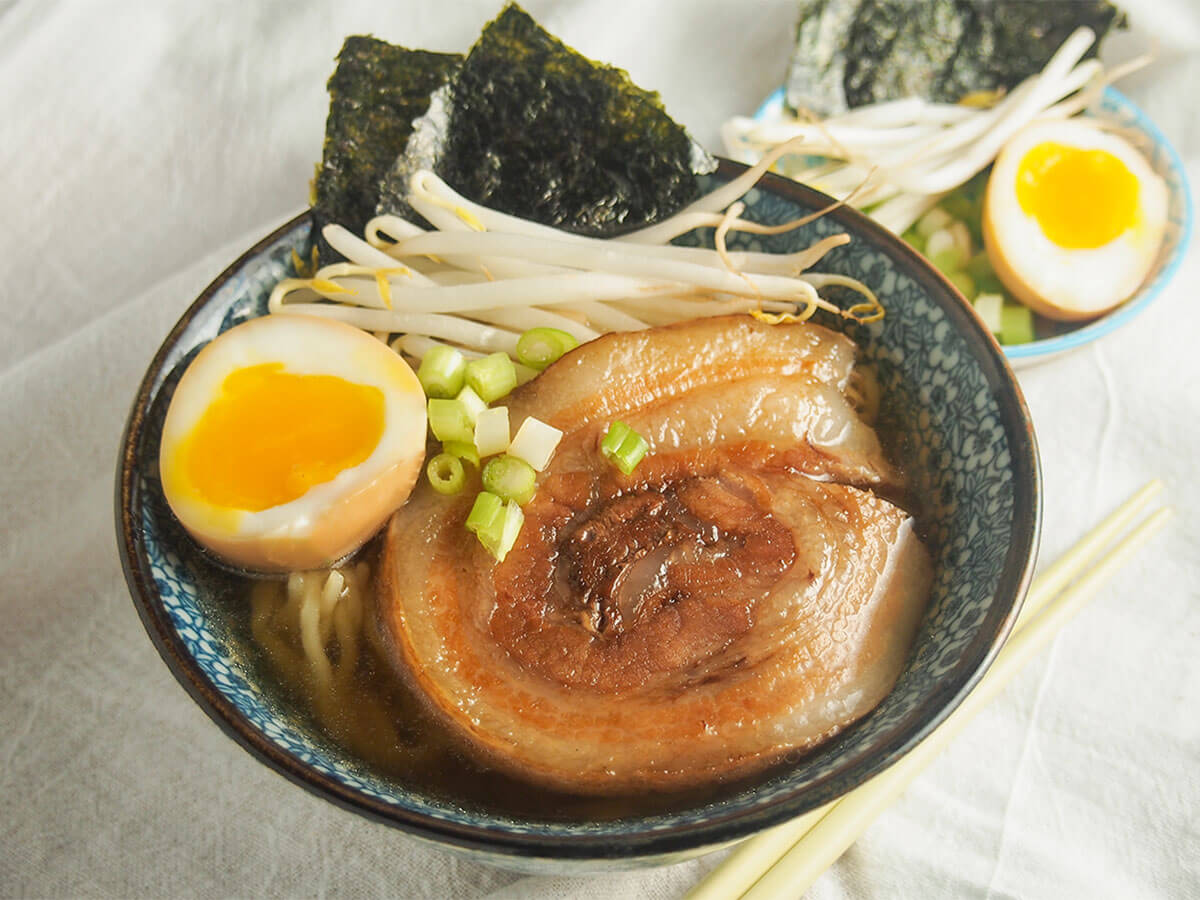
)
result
[(1072, 563), (838, 829), (800, 850), (747, 862)]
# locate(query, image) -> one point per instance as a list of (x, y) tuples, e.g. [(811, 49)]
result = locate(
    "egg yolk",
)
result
[(272, 435), (1081, 198)]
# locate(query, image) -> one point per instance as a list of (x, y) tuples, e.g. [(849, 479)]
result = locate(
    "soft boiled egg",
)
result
[(290, 440), (1073, 218)]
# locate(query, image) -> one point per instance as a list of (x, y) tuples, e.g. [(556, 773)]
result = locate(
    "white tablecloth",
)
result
[(145, 145)]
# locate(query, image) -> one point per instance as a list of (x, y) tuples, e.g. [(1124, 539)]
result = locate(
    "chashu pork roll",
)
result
[(744, 594)]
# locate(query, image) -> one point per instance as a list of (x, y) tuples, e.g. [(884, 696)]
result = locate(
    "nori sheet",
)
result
[(375, 93), (535, 129), (853, 52)]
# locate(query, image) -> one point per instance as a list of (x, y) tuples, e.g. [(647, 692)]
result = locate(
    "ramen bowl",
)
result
[(952, 416)]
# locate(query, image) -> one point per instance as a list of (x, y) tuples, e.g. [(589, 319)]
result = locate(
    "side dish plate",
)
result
[(1116, 108)]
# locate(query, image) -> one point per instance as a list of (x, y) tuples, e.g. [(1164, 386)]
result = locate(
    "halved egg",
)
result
[(290, 440), (1073, 218)]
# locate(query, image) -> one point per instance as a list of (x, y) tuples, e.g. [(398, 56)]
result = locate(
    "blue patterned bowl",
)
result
[(1057, 338), (960, 427)]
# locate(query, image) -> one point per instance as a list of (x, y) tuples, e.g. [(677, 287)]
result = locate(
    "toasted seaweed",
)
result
[(531, 127), (853, 52), (1011, 39), (375, 93)]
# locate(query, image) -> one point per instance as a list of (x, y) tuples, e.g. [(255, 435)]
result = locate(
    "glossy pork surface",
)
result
[(742, 595)]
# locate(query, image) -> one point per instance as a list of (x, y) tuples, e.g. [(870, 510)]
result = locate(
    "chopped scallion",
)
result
[(464, 450), (442, 371), (513, 520), (495, 523), (448, 421), (535, 443), (914, 239), (471, 403), (491, 377), (446, 474), (510, 478), (979, 267), (491, 431), (486, 515), (964, 282), (957, 205), (539, 347), (961, 235), (934, 220), (989, 307), (944, 252), (1016, 324), (624, 447)]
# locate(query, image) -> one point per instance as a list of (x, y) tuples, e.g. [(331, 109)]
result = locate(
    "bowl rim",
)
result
[(1128, 310), (721, 827)]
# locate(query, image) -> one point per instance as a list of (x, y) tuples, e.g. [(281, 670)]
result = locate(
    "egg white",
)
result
[(1063, 283), (332, 519)]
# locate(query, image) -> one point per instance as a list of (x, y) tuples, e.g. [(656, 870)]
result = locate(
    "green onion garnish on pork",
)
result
[(495, 523), (509, 478), (623, 447)]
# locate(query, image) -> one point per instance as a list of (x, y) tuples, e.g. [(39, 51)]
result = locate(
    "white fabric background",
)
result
[(145, 146)]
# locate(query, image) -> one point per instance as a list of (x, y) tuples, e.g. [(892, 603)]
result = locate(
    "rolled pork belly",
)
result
[(744, 594)]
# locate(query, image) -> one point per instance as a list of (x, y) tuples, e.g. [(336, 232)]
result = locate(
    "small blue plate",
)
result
[(1143, 134)]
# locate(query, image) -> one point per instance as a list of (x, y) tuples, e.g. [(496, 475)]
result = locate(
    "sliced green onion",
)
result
[(471, 403), (495, 523), (464, 450), (539, 347), (979, 267), (989, 307), (944, 252), (491, 431), (964, 282), (491, 377), (446, 474), (535, 443), (1016, 324), (624, 447), (448, 421), (947, 261), (510, 478), (513, 520), (510, 527), (486, 515), (914, 239), (934, 220), (961, 235), (442, 371), (524, 373), (958, 205)]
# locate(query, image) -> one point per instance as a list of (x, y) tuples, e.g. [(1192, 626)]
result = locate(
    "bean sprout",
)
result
[(921, 150), (479, 277)]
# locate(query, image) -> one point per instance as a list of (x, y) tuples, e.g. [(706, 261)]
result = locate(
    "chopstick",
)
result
[(784, 861)]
